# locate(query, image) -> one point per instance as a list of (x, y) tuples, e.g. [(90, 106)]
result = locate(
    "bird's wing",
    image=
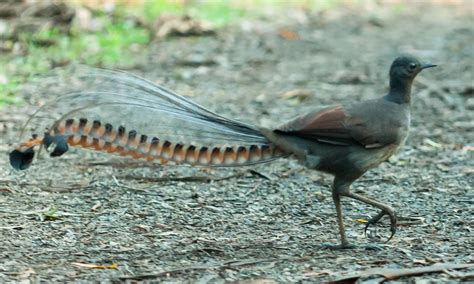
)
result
[(336, 125)]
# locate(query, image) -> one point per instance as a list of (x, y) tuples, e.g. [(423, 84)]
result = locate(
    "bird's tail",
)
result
[(120, 113)]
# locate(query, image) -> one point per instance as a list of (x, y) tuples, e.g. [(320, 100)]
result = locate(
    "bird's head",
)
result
[(407, 67)]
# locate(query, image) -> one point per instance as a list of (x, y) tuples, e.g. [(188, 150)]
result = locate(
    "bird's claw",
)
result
[(373, 221), (376, 219), (393, 225)]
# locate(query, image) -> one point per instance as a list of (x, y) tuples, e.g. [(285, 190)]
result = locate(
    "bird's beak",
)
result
[(427, 65)]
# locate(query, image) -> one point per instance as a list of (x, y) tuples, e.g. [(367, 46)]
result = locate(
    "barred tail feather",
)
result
[(160, 125)]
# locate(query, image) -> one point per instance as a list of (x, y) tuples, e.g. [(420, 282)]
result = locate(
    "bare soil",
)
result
[(265, 223)]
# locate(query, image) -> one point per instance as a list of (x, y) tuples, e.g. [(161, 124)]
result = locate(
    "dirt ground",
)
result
[(264, 223)]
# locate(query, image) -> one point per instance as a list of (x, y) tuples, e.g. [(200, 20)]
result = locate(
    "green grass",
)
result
[(223, 12), (48, 48), (105, 48), (110, 46), (7, 94), (217, 12)]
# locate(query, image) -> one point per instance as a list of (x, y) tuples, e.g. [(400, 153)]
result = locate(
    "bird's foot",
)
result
[(376, 219)]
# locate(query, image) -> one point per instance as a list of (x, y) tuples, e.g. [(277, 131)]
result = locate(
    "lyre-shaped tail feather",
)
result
[(121, 113)]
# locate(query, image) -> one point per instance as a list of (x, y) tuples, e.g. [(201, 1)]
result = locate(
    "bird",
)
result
[(121, 113)]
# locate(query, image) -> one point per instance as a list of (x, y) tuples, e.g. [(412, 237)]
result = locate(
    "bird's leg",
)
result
[(336, 196), (340, 186), (385, 210)]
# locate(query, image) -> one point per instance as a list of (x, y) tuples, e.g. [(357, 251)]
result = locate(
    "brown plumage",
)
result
[(348, 140)]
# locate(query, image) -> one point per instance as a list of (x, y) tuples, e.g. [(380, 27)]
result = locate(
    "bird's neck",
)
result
[(400, 91)]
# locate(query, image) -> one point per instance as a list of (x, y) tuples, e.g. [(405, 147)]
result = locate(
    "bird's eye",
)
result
[(412, 66)]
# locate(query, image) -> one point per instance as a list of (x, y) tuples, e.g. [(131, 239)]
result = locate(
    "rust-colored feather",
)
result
[(336, 125), (327, 125), (104, 137)]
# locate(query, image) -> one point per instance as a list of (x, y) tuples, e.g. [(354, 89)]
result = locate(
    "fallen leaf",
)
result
[(350, 77), (299, 94), (170, 25), (96, 206), (6, 189), (49, 215), (27, 273), (288, 35), (95, 266), (432, 143)]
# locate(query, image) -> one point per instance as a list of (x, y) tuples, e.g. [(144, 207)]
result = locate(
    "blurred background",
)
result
[(38, 35)]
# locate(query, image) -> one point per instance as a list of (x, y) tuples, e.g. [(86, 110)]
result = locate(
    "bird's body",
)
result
[(343, 140), (344, 136), (348, 140)]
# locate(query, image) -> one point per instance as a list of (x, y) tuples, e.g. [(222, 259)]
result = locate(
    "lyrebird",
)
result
[(127, 115)]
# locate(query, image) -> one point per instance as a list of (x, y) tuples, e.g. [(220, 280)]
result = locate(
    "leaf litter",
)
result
[(265, 224)]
